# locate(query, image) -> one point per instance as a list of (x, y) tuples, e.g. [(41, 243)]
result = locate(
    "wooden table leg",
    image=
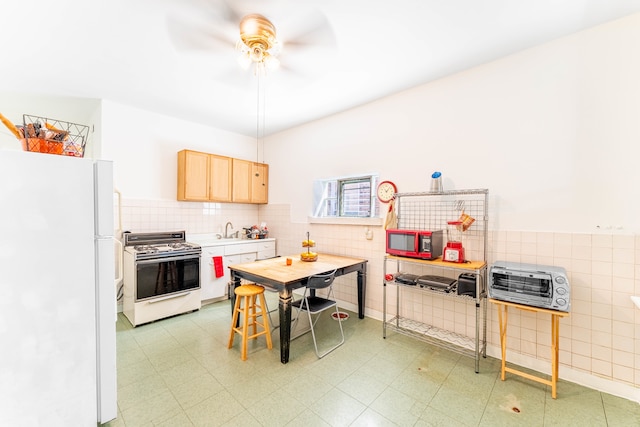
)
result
[(555, 350), (502, 320)]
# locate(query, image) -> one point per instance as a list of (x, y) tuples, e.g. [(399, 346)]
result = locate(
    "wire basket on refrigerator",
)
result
[(51, 136)]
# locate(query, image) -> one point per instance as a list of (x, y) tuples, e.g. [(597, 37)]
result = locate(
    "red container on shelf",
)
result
[(453, 251)]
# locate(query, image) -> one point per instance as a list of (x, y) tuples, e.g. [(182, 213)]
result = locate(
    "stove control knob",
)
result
[(561, 301), (561, 291), (561, 280)]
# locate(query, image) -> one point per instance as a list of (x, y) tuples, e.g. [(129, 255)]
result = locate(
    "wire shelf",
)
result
[(443, 338), (451, 294), (432, 211)]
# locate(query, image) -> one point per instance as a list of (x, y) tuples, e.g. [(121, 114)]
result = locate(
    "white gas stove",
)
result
[(161, 276)]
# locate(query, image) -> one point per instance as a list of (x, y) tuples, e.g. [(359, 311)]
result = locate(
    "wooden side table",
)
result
[(555, 341)]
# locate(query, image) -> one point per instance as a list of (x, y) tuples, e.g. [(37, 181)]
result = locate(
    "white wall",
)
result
[(144, 147), (551, 131)]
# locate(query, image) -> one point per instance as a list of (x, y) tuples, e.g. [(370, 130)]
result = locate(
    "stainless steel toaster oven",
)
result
[(530, 284)]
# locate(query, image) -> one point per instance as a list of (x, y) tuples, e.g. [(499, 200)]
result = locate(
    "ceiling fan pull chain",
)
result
[(258, 119)]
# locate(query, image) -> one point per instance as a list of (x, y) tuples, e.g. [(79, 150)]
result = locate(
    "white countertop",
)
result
[(211, 239)]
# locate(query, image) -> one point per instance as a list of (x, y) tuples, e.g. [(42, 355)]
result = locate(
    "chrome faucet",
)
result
[(226, 229)]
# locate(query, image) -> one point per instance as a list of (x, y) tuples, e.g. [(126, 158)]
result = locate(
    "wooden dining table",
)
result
[(274, 273)]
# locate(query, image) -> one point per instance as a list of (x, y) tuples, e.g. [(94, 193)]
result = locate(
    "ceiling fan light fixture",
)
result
[(257, 54), (244, 61), (271, 62), (257, 28), (276, 48), (258, 41)]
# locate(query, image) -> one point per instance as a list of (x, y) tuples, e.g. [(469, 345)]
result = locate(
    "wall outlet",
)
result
[(368, 233)]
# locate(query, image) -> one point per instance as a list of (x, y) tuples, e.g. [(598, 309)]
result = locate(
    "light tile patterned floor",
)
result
[(179, 372)]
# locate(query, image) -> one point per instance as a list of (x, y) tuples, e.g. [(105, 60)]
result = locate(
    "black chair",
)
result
[(314, 305)]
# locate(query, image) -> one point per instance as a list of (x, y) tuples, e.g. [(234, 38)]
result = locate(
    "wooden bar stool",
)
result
[(249, 294)]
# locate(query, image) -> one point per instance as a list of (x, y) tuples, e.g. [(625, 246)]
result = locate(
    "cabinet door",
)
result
[(259, 183), (266, 250), (219, 178), (241, 248), (241, 181), (210, 285), (193, 174)]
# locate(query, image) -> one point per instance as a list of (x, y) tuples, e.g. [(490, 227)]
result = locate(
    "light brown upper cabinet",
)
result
[(212, 178), (220, 178), (204, 177), (250, 182), (193, 175), (241, 181), (259, 183)]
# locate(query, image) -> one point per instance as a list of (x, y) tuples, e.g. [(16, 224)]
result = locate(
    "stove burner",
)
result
[(169, 247), (149, 245), (145, 249), (180, 245)]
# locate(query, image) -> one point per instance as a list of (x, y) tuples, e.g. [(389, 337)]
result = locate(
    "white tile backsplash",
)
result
[(600, 337), (141, 216)]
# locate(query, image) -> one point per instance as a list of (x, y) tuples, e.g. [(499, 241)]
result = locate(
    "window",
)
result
[(352, 197)]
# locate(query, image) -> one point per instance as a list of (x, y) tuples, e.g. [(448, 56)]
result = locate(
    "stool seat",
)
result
[(248, 290), (251, 304)]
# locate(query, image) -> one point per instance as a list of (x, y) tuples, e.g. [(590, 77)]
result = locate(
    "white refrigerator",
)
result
[(57, 293)]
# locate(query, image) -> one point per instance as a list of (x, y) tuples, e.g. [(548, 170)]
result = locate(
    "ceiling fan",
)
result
[(244, 33)]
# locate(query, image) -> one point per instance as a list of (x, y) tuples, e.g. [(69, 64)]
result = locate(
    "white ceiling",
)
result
[(134, 51)]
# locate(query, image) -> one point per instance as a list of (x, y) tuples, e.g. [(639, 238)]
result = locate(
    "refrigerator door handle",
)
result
[(120, 252)]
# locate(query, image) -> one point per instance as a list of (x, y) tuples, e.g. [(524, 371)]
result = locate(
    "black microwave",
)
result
[(415, 243)]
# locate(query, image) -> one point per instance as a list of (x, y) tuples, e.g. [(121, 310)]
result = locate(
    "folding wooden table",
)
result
[(555, 341)]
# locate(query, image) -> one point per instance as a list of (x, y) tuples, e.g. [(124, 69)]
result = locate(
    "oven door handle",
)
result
[(166, 259), (181, 295)]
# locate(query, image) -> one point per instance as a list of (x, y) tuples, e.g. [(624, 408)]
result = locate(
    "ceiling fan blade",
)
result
[(212, 27), (302, 69), (214, 11), (228, 12), (203, 25), (308, 45), (310, 31), (191, 36)]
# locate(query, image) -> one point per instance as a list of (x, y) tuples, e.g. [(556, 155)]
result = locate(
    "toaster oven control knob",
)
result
[(560, 280), (561, 301), (561, 291)]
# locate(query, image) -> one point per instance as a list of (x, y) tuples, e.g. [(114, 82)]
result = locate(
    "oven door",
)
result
[(164, 276)]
